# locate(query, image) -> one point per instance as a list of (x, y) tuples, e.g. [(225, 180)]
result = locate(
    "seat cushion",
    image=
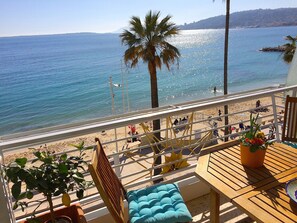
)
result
[(160, 203), (292, 144)]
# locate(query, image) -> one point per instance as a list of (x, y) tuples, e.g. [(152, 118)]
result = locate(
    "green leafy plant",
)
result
[(254, 137), (48, 173)]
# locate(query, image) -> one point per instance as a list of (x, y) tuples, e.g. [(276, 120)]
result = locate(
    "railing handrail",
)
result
[(62, 132)]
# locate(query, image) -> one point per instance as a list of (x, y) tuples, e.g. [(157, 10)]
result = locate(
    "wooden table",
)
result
[(258, 192)]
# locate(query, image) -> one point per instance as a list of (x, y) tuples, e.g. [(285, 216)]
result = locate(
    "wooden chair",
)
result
[(158, 203), (107, 183), (289, 132)]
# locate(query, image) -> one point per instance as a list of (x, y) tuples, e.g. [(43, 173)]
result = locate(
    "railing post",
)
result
[(116, 139), (6, 214), (275, 118), (116, 159)]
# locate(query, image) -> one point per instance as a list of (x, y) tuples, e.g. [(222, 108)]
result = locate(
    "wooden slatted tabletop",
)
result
[(270, 202), (221, 169)]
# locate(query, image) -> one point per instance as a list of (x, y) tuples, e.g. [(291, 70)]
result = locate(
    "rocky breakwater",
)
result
[(273, 49)]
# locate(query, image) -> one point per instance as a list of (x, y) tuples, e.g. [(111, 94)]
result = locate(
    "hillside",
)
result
[(249, 19)]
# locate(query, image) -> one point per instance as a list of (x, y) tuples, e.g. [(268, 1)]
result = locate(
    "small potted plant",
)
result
[(50, 174), (253, 145)]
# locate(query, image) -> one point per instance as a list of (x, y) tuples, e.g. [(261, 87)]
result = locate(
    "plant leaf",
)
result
[(57, 193), (66, 199), (16, 190), (64, 156), (22, 174), (37, 154), (48, 160), (21, 161), (11, 173), (15, 206), (43, 184), (29, 195), (22, 196), (80, 194), (30, 181), (253, 149), (77, 178), (62, 168)]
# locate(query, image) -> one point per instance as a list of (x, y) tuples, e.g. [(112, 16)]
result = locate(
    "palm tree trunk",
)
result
[(226, 64), (156, 123)]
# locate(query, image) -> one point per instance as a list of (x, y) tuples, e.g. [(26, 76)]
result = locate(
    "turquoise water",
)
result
[(59, 79)]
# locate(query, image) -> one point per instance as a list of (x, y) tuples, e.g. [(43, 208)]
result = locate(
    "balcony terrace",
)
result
[(199, 125)]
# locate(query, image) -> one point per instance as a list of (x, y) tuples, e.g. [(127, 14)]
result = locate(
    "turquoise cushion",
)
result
[(160, 203), (294, 145)]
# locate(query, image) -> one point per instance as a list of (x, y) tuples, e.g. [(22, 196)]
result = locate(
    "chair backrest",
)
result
[(109, 186), (289, 132)]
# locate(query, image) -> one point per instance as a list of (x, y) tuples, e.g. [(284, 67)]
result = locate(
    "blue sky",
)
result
[(32, 17)]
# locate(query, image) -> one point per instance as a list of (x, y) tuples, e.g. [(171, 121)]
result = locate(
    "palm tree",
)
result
[(226, 44), (147, 41), (226, 63), (289, 49)]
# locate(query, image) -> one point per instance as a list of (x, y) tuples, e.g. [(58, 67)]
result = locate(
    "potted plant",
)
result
[(48, 173), (253, 145)]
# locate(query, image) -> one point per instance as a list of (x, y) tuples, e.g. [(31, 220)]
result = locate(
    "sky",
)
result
[(36, 17)]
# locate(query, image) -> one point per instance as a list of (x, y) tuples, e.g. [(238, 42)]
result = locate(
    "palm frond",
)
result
[(169, 54), (147, 41), (289, 49), (128, 38), (136, 27), (158, 62), (151, 21)]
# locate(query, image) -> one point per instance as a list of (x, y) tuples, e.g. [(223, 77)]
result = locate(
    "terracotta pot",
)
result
[(61, 219), (249, 159), (75, 213)]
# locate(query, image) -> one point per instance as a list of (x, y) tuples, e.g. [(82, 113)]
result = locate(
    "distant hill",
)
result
[(249, 19)]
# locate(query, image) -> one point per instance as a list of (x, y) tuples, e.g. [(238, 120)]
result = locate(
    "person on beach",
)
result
[(230, 129), (215, 130), (258, 103), (241, 126), (133, 133), (271, 134), (215, 89), (175, 122)]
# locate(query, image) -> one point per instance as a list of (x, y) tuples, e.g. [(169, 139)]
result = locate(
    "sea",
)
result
[(50, 80)]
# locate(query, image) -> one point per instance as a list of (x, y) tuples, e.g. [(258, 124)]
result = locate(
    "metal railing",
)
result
[(185, 129)]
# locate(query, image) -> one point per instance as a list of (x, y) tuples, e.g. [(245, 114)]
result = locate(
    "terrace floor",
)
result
[(199, 209)]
